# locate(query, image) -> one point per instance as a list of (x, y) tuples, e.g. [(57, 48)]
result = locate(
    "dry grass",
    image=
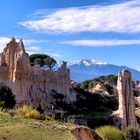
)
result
[(17, 128)]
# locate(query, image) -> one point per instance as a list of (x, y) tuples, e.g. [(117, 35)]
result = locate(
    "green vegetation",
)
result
[(109, 79), (50, 62), (19, 128), (41, 60), (7, 99), (85, 84), (28, 112), (109, 133), (132, 133)]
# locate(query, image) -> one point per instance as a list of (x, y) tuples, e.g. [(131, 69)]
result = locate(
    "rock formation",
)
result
[(126, 111), (31, 85), (82, 133), (99, 88)]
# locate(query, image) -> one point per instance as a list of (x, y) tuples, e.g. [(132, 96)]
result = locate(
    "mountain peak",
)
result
[(87, 62)]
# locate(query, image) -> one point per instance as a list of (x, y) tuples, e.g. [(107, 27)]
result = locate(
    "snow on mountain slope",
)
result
[(88, 68), (87, 62)]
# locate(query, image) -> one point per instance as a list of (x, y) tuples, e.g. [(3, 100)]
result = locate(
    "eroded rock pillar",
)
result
[(126, 100)]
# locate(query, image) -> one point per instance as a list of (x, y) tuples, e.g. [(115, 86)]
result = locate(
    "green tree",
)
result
[(38, 61), (39, 58), (50, 62), (42, 59), (7, 99)]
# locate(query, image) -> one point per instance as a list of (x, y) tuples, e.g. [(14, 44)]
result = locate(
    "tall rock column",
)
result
[(126, 100)]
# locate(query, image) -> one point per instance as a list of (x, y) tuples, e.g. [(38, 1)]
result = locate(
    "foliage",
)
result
[(7, 99), (132, 133), (100, 119), (94, 101), (29, 112), (50, 62), (109, 79), (41, 60), (85, 84), (109, 133), (34, 57)]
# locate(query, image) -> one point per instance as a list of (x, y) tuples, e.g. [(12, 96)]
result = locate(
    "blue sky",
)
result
[(75, 29)]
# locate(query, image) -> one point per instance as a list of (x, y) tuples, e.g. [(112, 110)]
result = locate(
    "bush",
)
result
[(29, 112), (132, 133), (109, 133), (7, 99)]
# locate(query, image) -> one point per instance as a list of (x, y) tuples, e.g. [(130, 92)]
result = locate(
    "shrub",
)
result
[(132, 133), (29, 112), (109, 133), (7, 99)]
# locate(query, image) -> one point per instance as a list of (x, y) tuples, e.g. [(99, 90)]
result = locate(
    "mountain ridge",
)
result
[(85, 69)]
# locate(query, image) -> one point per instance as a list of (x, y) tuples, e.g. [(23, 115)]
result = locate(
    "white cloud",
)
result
[(123, 17), (98, 43), (31, 46), (33, 41), (37, 49), (33, 49), (55, 55), (3, 42), (27, 42)]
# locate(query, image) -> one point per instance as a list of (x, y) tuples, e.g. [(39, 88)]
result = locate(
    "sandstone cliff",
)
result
[(31, 85)]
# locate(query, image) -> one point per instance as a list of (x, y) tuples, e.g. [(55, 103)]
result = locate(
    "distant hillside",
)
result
[(88, 69)]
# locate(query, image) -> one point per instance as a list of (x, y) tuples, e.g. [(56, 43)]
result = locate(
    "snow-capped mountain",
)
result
[(88, 68), (87, 62)]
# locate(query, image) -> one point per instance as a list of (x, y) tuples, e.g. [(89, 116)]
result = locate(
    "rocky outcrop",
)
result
[(126, 111), (83, 133), (99, 88), (31, 85)]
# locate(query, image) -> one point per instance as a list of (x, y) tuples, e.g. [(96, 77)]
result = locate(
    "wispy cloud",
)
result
[(33, 49), (101, 43), (37, 49), (5, 40), (33, 41), (122, 18)]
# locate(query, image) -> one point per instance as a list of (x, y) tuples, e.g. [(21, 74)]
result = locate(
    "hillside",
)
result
[(21, 128), (18, 128)]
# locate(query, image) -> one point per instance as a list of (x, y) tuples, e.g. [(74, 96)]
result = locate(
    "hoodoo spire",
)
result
[(126, 100), (21, 45)]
